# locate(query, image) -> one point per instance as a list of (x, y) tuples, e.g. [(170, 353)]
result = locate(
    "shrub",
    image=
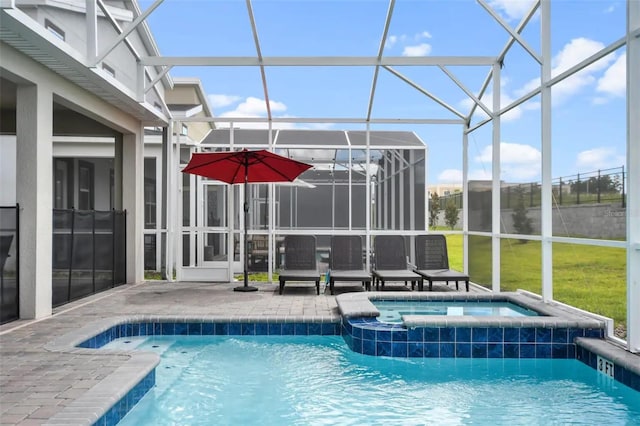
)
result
[(451, 214), (521, 222), (434, 209)]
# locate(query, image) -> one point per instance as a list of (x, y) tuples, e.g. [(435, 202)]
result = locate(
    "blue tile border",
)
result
[(370, 337), (626, 365), (218, 329), (126, 403)]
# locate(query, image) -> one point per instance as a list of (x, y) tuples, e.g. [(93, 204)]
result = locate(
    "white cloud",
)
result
[(513, 153), (422, 49), (219, 101), (614, 80), (253, 107), (450, 175), (517, 161), (576, 51), (599, 158), (512, 9), (257, 125), (571, 54), (480, 174), (455, 175)]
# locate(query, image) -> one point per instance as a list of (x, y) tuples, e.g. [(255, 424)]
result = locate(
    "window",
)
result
[(85, 186), (150, 252), (112, 189), (185, 130), (54, 29), (63, 183), (109, 70), (150, 193)]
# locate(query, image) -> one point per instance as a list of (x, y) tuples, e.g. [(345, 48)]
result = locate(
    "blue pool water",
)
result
[(317, 380), (392, 310)]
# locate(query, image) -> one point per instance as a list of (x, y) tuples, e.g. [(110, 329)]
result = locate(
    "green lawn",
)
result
[(592, 278)]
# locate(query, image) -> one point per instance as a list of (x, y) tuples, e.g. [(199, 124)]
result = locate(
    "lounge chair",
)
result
[(346, 262), (300, 260), (432, 261), (391, 262)]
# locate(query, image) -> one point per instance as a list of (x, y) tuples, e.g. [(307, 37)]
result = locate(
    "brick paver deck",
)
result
[(36, 384)]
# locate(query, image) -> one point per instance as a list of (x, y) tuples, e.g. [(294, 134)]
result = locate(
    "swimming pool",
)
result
[(300, 380), (391, 311)]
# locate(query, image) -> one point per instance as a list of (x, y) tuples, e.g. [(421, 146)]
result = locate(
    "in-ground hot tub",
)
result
[(549, 334), (392, 311)]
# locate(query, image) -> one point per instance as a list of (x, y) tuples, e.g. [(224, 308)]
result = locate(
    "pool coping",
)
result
[(359, 305)]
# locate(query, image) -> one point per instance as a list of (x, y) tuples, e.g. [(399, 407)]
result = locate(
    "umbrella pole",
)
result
[(246, 286)]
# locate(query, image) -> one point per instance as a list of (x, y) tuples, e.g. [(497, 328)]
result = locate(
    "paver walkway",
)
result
[(35, 384)]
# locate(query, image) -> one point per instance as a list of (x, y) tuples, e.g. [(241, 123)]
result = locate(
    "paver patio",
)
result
[(36, 384)]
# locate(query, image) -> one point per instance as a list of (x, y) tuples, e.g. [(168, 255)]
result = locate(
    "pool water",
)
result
[(392, 310), (312, 380)]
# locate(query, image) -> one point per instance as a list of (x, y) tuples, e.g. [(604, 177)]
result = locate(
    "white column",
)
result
[(117, 171), (633, 178), (412, 185), (92, 30), (387, 191), (369, 198), (393, 196), (34, 193), (495, 187), (178, 205), (272, 217), (401, 183), (161, 202), (231, 218), (465, 198), (170, 202), (350, 197), (546, 195), (133, 202)]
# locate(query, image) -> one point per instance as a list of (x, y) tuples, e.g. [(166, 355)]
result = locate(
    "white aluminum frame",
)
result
[(631, 41)]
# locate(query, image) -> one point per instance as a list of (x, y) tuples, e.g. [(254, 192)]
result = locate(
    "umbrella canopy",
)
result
[(245, 166)]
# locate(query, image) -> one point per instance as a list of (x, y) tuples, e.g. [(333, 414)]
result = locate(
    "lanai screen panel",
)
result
[(400, 188), (385, 138), (294, 137), (242, 138)]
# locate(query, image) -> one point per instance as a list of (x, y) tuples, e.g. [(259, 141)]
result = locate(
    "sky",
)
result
[(588, 109)]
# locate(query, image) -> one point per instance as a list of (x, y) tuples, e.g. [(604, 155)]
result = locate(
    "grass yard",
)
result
[(592, 278), (256, 276)]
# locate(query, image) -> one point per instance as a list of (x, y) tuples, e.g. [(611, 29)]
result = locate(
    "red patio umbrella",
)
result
[(245, 167)]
